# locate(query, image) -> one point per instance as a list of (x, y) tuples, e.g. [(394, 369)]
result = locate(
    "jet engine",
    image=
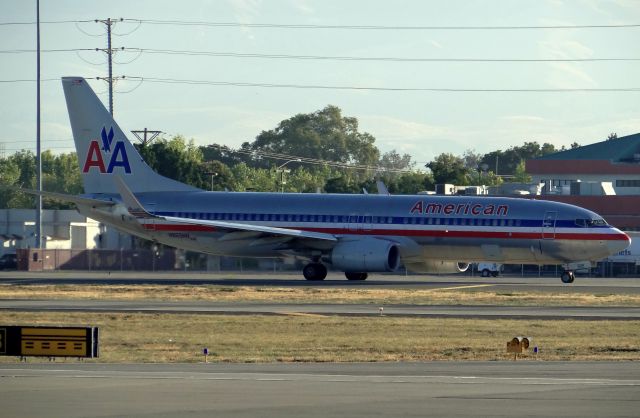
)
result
[(365, 255), (437, 266)]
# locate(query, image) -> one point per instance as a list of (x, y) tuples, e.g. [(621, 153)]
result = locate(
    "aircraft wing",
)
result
[(80, 200), (254, 228), (136, 209)]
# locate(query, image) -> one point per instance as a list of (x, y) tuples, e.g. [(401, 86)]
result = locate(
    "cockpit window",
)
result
[(597, 222), (588, 223)]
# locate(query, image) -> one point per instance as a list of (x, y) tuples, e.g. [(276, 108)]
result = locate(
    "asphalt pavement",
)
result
[(439, 389), (547, 284), (260, 308)]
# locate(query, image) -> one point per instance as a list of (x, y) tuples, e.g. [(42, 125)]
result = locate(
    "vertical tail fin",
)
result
[(104, 150)]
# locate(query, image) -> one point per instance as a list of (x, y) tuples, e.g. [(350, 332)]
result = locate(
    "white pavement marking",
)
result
[(333, 378)]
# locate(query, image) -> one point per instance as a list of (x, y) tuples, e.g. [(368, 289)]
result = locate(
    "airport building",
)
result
[(603, 177), (62, 229), (66, 233)]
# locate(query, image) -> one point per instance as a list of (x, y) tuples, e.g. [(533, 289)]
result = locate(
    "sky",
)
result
[(387, 96)]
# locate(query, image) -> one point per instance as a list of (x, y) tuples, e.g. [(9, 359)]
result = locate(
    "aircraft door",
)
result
[(549, 225), (353, 222), (359, 222), (366, 222)]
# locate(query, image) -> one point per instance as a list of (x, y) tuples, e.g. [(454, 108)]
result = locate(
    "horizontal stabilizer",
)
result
[(134, 207), (67, 197)]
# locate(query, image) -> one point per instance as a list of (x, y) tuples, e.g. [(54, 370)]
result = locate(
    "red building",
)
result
[(610, 169)]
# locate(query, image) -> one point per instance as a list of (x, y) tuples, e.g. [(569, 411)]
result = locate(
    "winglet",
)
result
[(133, 205)]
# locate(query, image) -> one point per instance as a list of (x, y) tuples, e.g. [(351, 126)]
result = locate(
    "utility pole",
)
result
[(38, 232), (144, 141), (280, 169), (109, 51)]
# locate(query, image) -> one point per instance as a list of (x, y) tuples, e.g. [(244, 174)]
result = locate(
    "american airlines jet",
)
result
[(356, 234)]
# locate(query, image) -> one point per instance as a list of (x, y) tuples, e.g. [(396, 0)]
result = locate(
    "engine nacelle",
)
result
[(365, 255), (437, 266)]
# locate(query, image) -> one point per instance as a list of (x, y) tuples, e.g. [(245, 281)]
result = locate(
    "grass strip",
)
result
[(180, 338)]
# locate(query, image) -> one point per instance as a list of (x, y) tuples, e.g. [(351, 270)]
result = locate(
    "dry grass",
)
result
[(181, 338), (471, 295)]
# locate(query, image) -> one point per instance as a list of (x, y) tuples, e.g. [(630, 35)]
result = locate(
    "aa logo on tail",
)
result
[(114, 154)]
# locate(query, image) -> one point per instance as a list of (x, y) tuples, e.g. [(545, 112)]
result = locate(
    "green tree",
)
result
[(60, 174), (324, 134), (247, 178), (220, 175), (448, 168), (505, 162), (178, 159), (411, 183), (521, 176), (393, 161), (342, 184)]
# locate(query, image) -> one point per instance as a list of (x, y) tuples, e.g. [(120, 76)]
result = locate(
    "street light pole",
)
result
[(212, 174), (38, 233), (280, 169)]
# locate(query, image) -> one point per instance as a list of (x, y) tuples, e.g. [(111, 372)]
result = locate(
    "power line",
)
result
[(47, 22), (398, 89), (21, 141), (355, 88), (24, 51), (307, 160), (344, 27), (323, 57), (359, 58), (371, 27), (30, 80)]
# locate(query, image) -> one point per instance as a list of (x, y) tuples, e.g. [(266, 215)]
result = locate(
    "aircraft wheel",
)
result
[(314, 271), (567, 277), (356, 276), (485, 273)]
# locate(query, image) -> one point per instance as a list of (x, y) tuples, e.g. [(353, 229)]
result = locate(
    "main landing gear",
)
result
[(317, 271), (314, 271), (355, 276), (567, 276)]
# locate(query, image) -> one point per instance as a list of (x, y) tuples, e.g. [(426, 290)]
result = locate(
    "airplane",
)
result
[(355, 234)]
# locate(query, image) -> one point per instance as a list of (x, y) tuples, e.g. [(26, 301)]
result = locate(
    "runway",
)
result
[(442, 389), (259, 308), (593, 285)]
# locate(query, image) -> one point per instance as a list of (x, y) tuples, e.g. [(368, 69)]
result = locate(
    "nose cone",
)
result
[(619, 243)]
